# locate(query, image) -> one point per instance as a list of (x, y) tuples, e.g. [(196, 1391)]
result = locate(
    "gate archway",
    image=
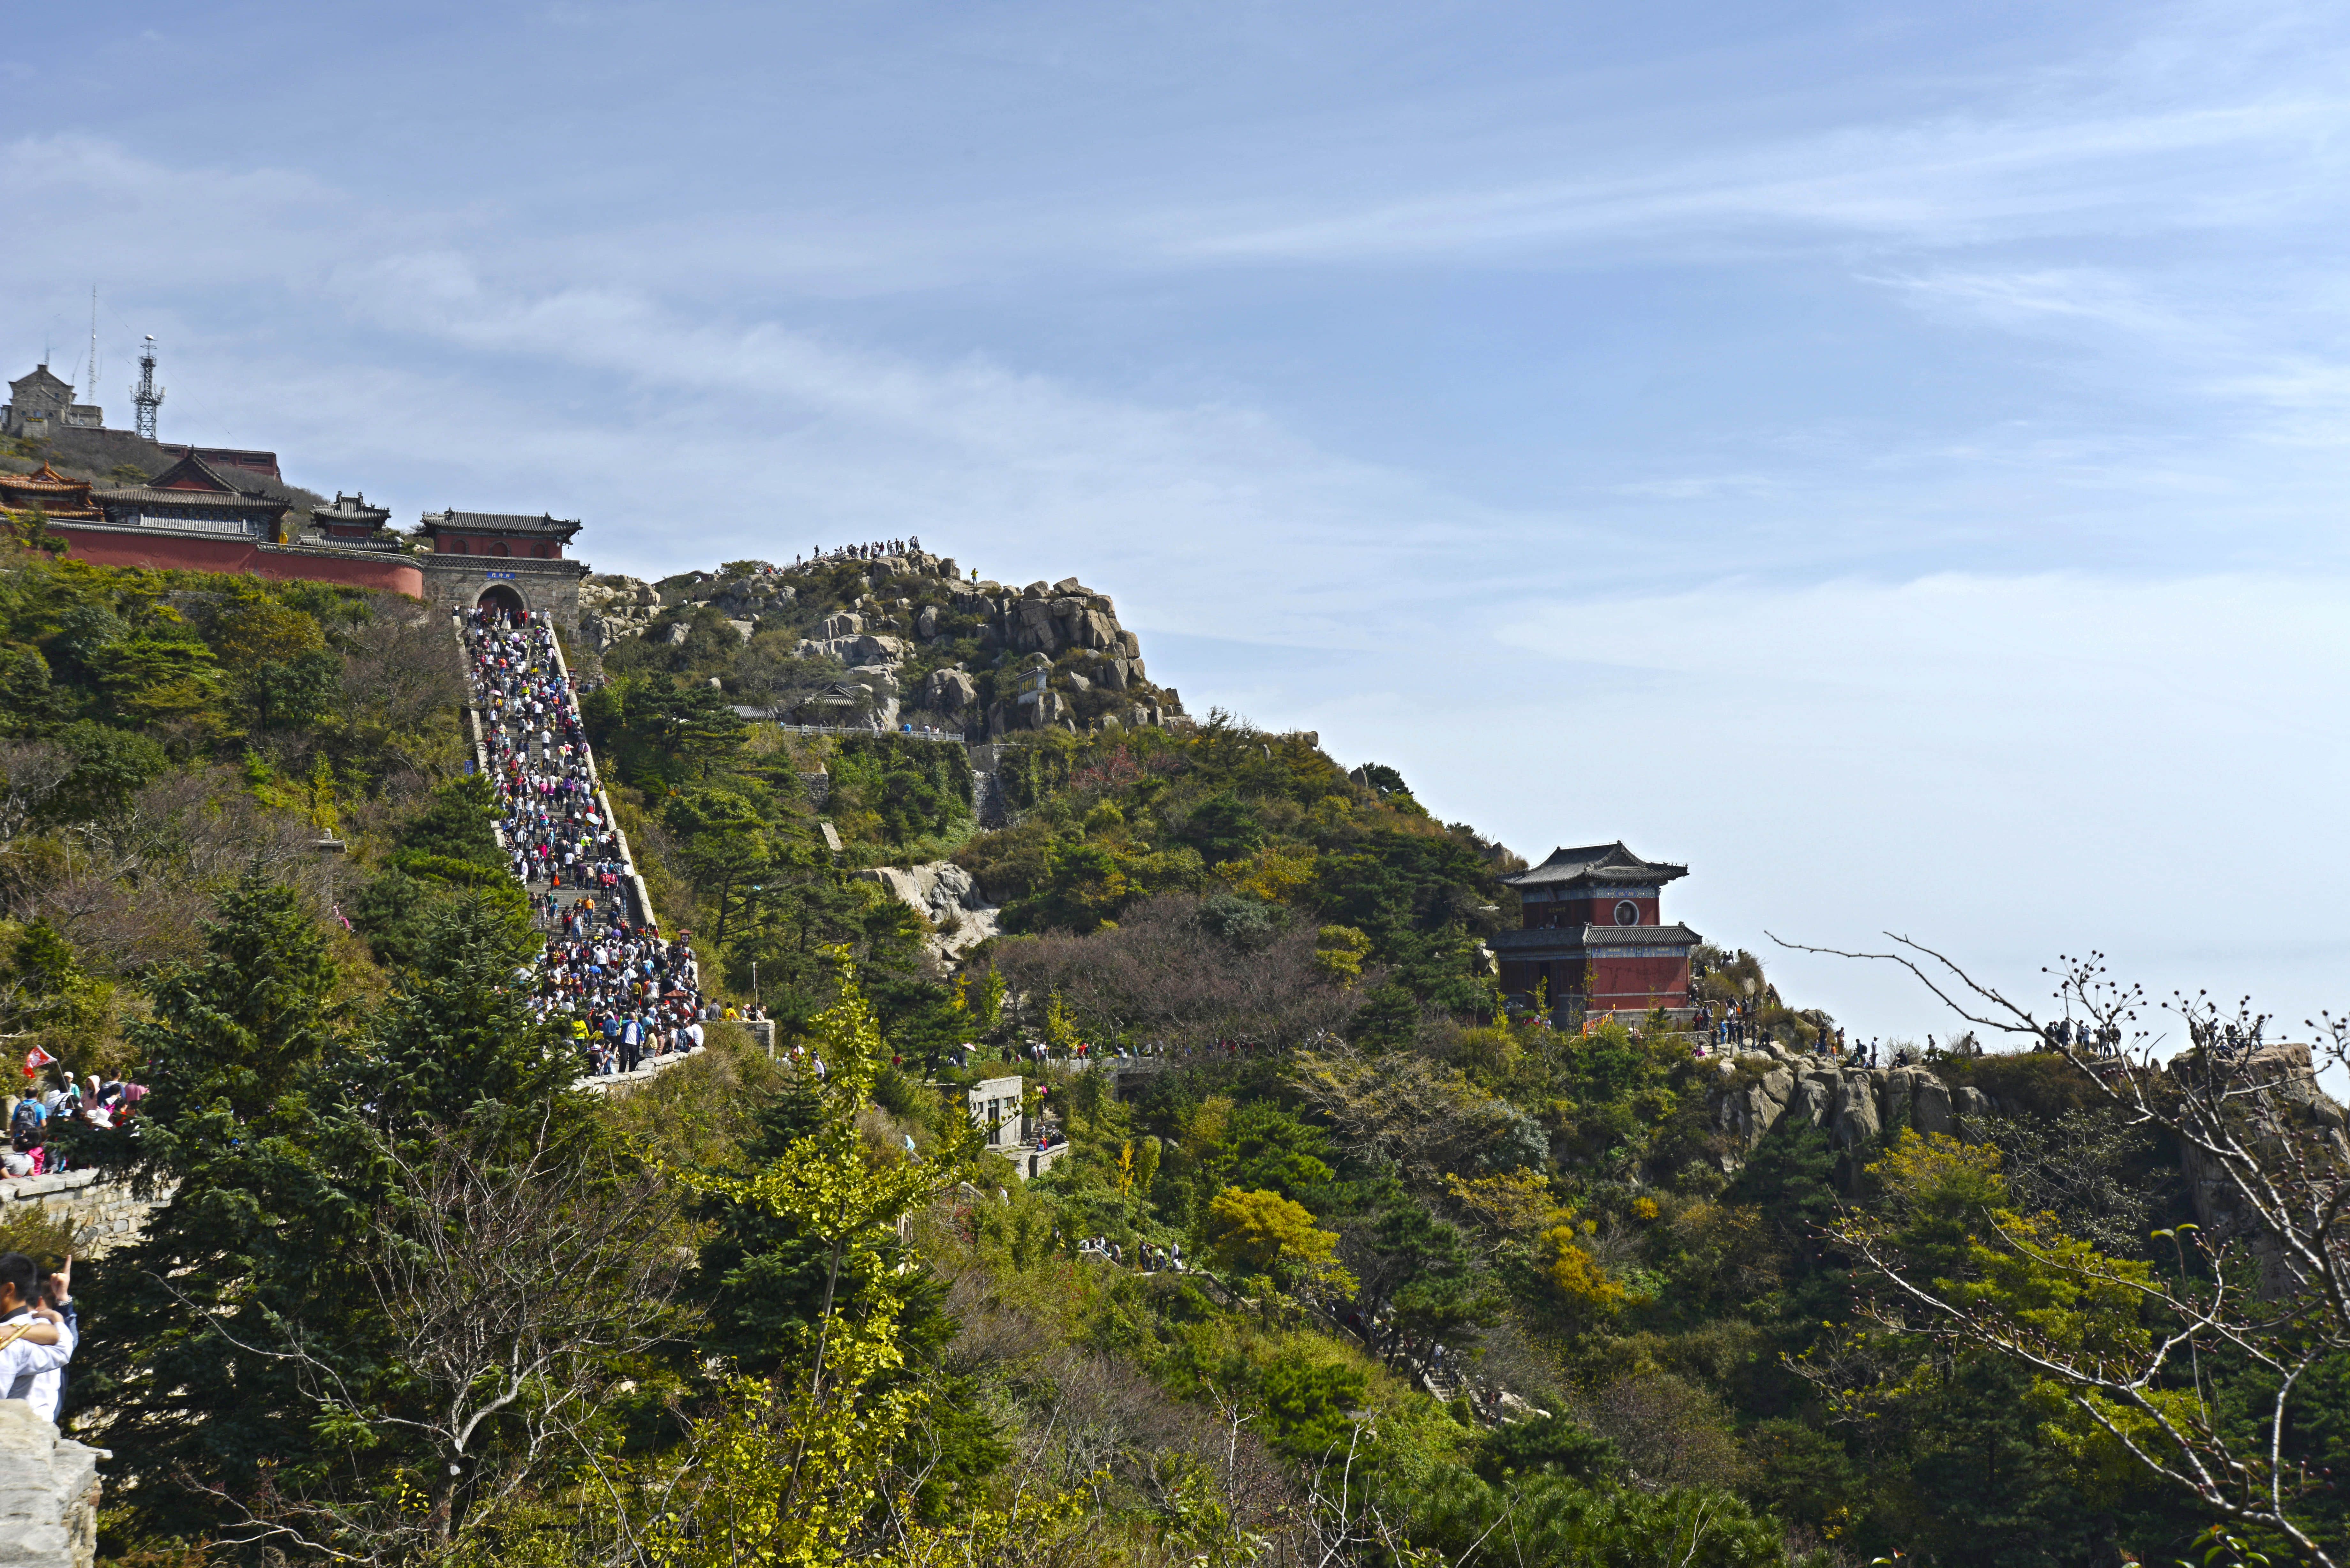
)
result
[(503, 599)]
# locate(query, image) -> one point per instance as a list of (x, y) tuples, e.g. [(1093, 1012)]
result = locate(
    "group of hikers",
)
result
[(39, 1119), (632, 995), (872, 551), (1150, 1257)]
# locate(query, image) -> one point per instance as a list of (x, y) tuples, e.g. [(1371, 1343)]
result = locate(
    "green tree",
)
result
[(1222, 828), (258, 1232), (111, 765), (726, 841)]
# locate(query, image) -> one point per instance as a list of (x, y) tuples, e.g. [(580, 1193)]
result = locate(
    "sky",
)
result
[(1889, 459)]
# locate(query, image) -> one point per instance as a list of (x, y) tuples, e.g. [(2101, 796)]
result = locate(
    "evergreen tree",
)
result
[(256, 1233)]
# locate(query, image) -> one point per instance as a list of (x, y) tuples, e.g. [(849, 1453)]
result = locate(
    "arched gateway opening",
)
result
[(502, 598)]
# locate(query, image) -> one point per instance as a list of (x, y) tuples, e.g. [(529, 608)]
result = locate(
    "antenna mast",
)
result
[(92, 382), (146, 395)]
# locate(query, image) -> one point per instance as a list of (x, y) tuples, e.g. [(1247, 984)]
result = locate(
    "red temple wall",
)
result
[(1593, 911), (1628, 983), (195, 553)]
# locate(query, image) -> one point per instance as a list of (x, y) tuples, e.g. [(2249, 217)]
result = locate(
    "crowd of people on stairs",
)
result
[(632, 995)]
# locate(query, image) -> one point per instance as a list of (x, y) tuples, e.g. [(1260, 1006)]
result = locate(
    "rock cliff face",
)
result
[(2294, 1104), (1757, 1090), (612, 608), (48, 1493), (946, 896), (1854, 1105)]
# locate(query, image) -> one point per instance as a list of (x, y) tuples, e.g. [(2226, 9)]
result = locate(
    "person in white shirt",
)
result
[(35, 1342), (53, 1303)]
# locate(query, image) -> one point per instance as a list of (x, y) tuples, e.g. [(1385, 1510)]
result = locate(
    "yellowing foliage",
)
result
[(1516, 1203), (1338, 953), (1274, 875), (1577, 1275), (1266, 1233)]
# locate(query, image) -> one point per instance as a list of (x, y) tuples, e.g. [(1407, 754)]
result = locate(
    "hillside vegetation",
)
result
[(1457, 1287)]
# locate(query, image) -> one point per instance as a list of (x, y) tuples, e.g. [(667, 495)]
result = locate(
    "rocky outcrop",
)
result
[(949, 691), (1857, 1118), (1749, 1107), (2279, 1097), (48, 1493), (1856, 1106), (612, 608), (899, 605), (948, 898), (1932, 1112)]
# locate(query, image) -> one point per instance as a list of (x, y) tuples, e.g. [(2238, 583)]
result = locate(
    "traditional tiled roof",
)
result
[(1572, 936), (1606, 864), (42, 478), (193, 473), (191, 485), (351, 509), (148, 496), (499, 522), (50, 491), (264, 463)]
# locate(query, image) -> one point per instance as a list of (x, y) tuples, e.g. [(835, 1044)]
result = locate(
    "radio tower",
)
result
[(92, 382), (146, 395)]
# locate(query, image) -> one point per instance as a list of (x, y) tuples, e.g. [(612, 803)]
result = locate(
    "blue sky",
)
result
[(1889, 457)]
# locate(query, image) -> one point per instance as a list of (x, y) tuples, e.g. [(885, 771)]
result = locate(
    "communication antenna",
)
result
[(146, 395), (92, 382)]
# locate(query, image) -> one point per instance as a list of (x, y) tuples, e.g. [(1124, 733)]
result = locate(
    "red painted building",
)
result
[(1592, 937), (192, 517), (163, 549)]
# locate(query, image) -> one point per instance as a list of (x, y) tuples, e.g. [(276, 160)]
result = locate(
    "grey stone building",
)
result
[(40, 405)]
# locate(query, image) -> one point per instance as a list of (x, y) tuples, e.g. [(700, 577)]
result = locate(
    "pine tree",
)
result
[(256, 1231)]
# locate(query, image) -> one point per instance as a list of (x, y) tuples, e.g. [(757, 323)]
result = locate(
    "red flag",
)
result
[(36, 1059)]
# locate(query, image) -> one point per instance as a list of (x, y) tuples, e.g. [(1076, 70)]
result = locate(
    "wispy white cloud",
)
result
[(1962, 180)]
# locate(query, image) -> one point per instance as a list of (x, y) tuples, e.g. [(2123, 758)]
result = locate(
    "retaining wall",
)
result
[(107, 1212)]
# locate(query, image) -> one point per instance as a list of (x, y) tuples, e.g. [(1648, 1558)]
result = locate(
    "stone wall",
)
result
[(107, 1213), (546, 587)]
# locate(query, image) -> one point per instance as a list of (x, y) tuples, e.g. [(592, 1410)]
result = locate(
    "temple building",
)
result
[(350, 521), (222, 458), (501, 561), (191, 497), (1592, 938), (50, 493)]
